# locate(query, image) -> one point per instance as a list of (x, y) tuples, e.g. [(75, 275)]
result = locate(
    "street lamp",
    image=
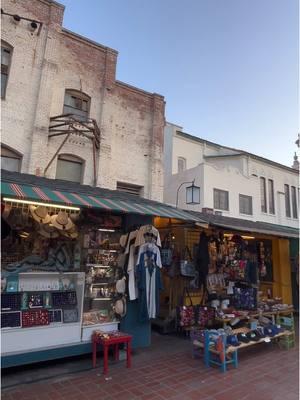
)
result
[(192, 193)]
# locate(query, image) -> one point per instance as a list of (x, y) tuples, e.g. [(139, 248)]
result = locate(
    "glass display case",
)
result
[(100, 258)]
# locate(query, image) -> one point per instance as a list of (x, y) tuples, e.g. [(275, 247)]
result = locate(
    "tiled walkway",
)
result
[(167, 371)]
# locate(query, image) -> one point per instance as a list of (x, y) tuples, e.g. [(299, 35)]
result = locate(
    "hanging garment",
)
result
[(140, 239), (130, 263), (149, 281), (202, 261)]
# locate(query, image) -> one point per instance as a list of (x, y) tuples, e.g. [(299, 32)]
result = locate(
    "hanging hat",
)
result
[(121, 286), (48, 231), (40, 214), (62, 221), (71, 234), (120, 307), (5, 210), (123, 240)]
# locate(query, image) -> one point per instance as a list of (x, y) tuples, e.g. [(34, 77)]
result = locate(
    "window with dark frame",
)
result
[(6, 53), (69, 168), (246, 204), (76, 103), (294, 202), (263, 195), (271, 196), (10, 160), (287, 201), (221, 199)]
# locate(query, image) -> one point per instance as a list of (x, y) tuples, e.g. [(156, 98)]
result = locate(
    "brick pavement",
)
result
[(167, 371)]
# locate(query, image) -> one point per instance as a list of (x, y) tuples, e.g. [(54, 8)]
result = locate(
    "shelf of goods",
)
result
[(37, 329)]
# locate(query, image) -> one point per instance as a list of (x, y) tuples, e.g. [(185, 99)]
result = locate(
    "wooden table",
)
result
[(113, 340), (273, 314)]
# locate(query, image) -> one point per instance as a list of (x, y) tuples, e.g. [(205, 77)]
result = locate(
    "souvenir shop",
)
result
[(73, 263), (218, 276)]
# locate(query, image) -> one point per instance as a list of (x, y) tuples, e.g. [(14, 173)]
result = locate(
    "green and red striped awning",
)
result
[(47, 195)]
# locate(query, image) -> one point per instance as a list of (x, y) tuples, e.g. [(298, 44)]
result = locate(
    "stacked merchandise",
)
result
[(37, 308)]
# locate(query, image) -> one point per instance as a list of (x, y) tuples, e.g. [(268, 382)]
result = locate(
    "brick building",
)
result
[(48, 71)]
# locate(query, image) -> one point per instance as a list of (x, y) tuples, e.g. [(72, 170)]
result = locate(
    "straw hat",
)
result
[(61, 221), (71, 234), (40, 214), (120, 285), (120, 307), (48, 231)]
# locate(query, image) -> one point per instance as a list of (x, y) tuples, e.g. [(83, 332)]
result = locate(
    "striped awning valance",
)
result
[(135, 206)]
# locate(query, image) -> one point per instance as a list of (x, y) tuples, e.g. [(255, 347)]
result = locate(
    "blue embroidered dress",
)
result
[(149, 281)]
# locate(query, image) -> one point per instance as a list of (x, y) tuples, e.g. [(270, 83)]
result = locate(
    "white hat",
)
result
[(48, 231), (40, 214), (123, 240), (120, 307), (120, 285), (62, 221)]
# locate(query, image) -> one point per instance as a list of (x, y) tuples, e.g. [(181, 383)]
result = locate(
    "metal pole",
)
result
[(183, 183)]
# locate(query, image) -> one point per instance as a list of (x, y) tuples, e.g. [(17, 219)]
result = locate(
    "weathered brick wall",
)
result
[(131, 120)]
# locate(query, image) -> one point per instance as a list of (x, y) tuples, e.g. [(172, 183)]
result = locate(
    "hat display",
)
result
[(121, 286), (40, 214), (62, 221), (48, 231), (72, 233), (120, 307)]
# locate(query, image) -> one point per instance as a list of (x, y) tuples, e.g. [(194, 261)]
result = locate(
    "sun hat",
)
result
[(48, 231), (120, 307), (40, 214), (121, 285), (62, 221), (71, 234)]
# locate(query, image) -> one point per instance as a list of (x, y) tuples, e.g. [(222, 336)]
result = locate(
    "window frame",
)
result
[(126, 187), (6, 46), (287, 198), (218, 206), (271, 196), (11, 154), (183, 160), (245, 197), (263, 194), (78, 95), (71, 159), (294, 202)]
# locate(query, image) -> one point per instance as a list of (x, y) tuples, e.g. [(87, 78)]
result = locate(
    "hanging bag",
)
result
[(186, 314), (187, 267)]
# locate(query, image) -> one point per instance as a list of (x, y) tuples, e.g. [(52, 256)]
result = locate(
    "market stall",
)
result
[(68, 266), (215, 275)]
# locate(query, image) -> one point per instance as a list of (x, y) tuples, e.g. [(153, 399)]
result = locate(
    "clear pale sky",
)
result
[(228, 69)]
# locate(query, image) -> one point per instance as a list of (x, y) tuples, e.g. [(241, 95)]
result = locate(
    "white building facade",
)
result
[(49, 71), (232, 182)]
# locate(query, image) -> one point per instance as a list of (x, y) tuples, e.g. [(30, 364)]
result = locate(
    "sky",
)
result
[(228, 69)]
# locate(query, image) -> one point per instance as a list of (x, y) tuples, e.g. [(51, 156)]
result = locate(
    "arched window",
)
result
[(181, 164), (10, 160), (77, 103), (6, 54), (69, 168)]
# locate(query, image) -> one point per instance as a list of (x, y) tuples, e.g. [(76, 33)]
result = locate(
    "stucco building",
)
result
[(116, 138), (232, 182)]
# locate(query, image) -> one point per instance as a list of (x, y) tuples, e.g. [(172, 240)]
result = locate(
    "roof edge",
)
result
[(251, 155), (90, 42)]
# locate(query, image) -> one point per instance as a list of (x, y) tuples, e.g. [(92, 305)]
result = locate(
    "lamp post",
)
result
[(192, 193)]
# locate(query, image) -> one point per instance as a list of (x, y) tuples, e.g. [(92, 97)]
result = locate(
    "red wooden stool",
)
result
[(111, 338)]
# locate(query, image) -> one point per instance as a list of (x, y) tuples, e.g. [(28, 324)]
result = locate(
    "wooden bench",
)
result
[(230, 353)]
